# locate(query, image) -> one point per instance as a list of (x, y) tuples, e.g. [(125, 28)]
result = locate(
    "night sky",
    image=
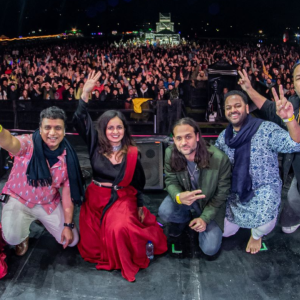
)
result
[(232, 18)]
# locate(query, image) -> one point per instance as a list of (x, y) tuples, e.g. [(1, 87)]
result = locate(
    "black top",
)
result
[(103, 169)]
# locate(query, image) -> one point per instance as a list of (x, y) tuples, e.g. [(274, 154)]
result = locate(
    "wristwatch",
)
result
[(70, 225)]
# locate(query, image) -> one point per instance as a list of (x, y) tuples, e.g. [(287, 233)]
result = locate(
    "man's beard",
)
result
[(191, 151)]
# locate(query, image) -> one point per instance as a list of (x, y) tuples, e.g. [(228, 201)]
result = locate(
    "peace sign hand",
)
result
[(244, 81), (284, 108)]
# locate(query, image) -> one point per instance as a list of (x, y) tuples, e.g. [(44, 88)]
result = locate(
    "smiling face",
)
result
[(52, 132), (297, 80), (236, 111), (115, 131)]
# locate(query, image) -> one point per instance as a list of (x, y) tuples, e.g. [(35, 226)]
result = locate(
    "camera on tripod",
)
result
[(214, 83), (214, 111), (220, 75)]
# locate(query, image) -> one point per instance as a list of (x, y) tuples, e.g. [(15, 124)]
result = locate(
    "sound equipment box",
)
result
[(152, 155)]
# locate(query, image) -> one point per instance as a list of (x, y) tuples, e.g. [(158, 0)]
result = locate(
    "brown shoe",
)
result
[(22, 248)]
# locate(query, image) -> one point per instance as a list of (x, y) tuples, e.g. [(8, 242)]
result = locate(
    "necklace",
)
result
[(192, 174), (116, 148)]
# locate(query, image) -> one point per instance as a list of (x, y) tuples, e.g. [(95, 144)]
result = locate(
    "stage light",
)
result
[(260, 31)]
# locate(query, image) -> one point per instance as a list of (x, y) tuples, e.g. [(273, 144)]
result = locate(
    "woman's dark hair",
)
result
[(53, 112), (105, 146), (178, 160)]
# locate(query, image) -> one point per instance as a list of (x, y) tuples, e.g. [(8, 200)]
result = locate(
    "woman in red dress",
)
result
[(114, 225)]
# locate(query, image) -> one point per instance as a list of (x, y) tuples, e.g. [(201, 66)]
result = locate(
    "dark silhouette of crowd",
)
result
[(59, 70)]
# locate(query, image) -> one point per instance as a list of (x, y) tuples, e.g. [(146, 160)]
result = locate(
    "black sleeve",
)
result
[(84, 126), (268, 112), (138, 182)]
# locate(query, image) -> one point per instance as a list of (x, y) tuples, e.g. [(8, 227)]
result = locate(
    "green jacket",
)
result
[(215, 183)]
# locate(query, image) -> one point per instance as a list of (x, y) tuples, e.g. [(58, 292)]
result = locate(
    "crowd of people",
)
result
[(214, 190), (59, 71)]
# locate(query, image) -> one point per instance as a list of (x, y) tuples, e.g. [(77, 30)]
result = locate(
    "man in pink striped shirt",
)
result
[(44, 163)]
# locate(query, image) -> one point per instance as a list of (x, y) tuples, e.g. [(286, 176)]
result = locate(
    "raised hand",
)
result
[(284, 108), (89, 85), (244, 81)]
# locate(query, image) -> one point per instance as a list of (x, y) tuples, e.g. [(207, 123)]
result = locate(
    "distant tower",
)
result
[(164, 23)]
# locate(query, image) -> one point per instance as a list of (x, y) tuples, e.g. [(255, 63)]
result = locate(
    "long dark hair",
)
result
[(105, 146), (178, 160)]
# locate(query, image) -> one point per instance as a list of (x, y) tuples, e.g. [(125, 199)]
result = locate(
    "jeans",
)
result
[(290, 214), (209, 240)]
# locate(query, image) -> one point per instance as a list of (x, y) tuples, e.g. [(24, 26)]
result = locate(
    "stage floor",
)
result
[(49, 272)]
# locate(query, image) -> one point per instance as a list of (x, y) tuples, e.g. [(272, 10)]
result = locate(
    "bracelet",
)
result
[(289, 120), (70, 225), (178, 199), (1, 128)]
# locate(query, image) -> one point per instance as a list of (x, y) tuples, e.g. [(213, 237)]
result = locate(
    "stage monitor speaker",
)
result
[(152, 162)]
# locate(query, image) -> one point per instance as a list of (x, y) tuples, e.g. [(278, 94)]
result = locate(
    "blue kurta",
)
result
[(266, 143)]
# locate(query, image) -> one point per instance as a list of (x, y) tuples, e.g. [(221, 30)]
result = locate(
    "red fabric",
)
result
[(120, 241), (99, 88), (3, 265)]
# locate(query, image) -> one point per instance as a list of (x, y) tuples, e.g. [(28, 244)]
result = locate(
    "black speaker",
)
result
[(152, 162), (3, 155)]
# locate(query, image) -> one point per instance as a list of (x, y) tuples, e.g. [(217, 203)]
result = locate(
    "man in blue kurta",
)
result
[(252, 146)]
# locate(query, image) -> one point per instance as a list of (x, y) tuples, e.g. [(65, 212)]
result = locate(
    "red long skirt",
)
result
[(3, 266), (120, 241)]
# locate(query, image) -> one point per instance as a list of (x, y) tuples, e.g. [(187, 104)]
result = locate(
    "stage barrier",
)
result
[(24, 114)]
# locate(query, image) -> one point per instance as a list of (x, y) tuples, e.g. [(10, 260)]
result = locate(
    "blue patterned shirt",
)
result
[(266, 143)]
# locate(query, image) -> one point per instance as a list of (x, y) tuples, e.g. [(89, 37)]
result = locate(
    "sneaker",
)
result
[(290, 229), (176, 229)]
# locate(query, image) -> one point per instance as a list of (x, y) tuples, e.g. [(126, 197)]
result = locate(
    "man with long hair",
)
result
[(198, 179)]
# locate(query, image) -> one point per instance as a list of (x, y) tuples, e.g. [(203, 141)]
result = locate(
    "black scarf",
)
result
[(50, 155), (38, 173), (241, 180)]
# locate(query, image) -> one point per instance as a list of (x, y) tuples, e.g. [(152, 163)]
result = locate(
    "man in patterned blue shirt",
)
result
[(252, 146)]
